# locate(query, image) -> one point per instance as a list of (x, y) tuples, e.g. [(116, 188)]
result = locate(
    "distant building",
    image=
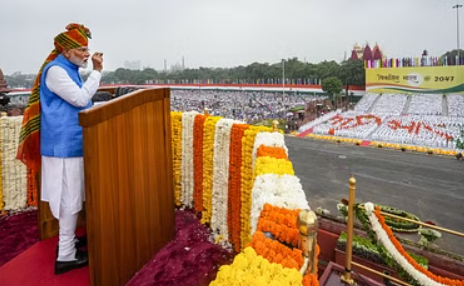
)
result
[(366, 53), (177, 67), (132, 65)]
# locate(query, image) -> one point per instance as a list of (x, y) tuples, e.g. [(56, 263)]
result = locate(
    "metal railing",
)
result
[(347, 274)]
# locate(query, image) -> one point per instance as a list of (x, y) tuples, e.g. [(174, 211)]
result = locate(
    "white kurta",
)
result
[(63, 178)]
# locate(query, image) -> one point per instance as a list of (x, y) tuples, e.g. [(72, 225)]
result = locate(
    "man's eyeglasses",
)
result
[(83, 50)]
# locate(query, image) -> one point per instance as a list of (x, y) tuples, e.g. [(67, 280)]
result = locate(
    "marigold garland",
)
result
[(247, 180), (221, 177), (250, 269), (14, 172), (198, 162), (271, 212), (418, 267), (276, 252), (270, 139), (310, 280), (273, 152), (234, 194), (268, 165), (188, 119), (176, 128), (281, 223), (208, 154)]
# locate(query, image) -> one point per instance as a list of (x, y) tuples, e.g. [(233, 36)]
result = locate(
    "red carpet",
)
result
[(190, 259), (35, 267), (303, 134), (365, 143)]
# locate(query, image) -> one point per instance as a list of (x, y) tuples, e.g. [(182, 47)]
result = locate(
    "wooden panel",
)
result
[(120, 105), (128, 177)]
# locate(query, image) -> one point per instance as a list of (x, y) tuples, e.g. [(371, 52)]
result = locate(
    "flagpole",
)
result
[(457, 7), (283, 79)]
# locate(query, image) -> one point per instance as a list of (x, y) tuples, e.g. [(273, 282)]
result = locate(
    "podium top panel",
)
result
[(120, 105)]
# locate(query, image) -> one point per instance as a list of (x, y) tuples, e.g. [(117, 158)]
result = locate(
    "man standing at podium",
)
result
[(62, 95)]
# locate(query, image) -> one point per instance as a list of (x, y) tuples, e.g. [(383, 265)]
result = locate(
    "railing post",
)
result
[(275, 126), (308, 226), (346, 276)]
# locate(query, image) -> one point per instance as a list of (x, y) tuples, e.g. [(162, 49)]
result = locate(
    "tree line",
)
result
[(293, 70), (296, 71)]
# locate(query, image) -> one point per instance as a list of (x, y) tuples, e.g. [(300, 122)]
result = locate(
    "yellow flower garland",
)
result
[(176, 127), (269, 165), (208, 153), (250, 269), (248, 141)]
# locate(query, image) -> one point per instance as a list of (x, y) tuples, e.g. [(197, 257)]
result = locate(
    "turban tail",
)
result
[(29, 140)]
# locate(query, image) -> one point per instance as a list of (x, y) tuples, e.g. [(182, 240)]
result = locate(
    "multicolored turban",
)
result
[(76, 36)]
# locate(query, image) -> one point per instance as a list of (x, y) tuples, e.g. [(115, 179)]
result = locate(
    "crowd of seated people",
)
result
[(422, 124), (390, 104), (248, 106), (426, 104), (421, 130), (366, 102), (351, 124), (455, 105)]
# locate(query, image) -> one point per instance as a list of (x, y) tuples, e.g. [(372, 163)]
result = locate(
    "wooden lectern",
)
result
[(128, 181)]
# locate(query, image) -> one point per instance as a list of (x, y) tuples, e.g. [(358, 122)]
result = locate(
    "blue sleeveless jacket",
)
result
[(60, 133)]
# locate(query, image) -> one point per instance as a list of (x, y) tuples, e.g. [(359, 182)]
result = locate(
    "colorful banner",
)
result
[(448, 79)]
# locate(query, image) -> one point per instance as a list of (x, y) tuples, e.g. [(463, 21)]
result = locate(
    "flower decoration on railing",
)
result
[(221, 177), (281, 223), (176, 134), (386, 237), (273, 152), (198, 127), (208, 167), (276, 252), (14, 173), (188, 119), (247, 179), (229, 171), (268, 139), (234, 195), (249, 268)]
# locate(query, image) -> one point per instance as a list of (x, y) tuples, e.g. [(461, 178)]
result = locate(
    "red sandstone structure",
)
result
[(365, 53)]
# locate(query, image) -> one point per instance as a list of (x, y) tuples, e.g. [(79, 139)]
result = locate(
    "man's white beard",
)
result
[(78, 62)]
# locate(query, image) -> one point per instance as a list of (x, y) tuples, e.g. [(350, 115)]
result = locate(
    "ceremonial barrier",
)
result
[(374, 222), (128, 181)]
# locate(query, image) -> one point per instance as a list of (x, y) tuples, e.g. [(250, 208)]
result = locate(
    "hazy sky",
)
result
[(224, 33)]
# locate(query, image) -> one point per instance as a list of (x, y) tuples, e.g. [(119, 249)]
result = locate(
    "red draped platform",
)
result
[(35, 265)]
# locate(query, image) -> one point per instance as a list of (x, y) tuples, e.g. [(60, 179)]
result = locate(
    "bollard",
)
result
[(346, 276), (308, 226), (275, 126)]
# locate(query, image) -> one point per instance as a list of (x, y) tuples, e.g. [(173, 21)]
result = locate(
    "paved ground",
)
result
[(431, 187)]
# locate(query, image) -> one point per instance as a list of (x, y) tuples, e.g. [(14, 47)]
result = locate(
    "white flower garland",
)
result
[(14, 173), (221, 176), (270, 139), (283, 191), (186, 196), (383, 238)]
